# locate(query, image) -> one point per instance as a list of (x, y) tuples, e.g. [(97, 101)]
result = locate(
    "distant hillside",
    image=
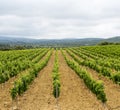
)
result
[(113, 39), (46, 42), (26, 42), (15, 40)]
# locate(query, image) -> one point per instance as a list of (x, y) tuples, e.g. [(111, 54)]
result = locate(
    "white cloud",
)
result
[(60, 18)]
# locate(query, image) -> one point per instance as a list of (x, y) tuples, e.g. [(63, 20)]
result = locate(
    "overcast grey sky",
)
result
[(60, 18)]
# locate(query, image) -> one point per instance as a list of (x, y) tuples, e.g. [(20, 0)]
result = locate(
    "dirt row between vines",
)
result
[(112, 90), (39, 95), (74, 94), (5, 99)]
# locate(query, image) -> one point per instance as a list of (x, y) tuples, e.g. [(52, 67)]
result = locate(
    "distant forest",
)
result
[(27, 46), (7, 43)]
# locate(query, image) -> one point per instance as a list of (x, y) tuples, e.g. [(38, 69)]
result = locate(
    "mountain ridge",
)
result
[(56, 42)]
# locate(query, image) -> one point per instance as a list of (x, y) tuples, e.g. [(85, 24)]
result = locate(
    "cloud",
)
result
[(60, 18)]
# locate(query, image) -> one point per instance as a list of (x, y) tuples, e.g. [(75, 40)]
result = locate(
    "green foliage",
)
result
[(19, 62), (56, 88), (99, 59), (106, 43), (92, 64), (104, 65), (21, 85), (95, 86), (55, 76), (13, 93), (109, 43), (116, 78)]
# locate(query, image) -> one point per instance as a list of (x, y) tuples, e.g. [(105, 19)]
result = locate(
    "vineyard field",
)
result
[(76, 78)]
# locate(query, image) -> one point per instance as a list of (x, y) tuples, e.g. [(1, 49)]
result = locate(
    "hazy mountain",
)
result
[(86, 41), (113, 39), (54, 42), (14, 40)]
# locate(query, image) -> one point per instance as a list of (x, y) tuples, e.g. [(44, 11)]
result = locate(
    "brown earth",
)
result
[(39, 96), (5, 99), (112, 90), (74, 94)]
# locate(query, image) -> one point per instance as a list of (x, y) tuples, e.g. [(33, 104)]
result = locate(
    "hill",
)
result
[(113, 39), (49, 42), (9, 42)]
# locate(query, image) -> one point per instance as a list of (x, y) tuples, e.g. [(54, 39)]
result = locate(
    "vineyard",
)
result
[(78, 78)]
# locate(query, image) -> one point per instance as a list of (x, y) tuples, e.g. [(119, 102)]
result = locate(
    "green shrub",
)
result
[(55, 76), (95, 86)]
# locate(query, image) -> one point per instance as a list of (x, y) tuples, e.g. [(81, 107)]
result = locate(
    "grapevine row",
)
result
[(96, 87), (55, 76), (110, 63), (13, 69), (22, 84), (93, 65), (106, 50)]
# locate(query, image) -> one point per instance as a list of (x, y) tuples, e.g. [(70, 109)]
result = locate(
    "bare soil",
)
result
[(39, 96), (112, 90), (6, 102), (5, 99), (74, 94)]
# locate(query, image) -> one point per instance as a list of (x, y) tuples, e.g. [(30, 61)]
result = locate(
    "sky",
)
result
[(48, 19)]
